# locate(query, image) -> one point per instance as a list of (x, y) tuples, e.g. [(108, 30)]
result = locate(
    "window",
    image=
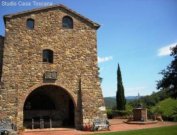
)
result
[(48, 56), (30, 24), (67, 22)]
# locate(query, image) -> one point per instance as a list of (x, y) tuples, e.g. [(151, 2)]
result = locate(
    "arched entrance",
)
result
[(49, 107)]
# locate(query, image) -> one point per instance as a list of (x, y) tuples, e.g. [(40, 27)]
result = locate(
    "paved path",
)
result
[(116, 125)]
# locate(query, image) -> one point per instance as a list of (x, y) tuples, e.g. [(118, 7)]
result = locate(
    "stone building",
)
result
[(49, 71)]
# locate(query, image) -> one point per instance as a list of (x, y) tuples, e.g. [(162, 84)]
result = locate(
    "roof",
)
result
[(9, 16)]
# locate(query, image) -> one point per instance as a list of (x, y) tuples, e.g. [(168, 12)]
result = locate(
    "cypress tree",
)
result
[(120, 97)]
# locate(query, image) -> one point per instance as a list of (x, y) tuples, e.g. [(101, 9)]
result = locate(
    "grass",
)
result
[(171, 130)]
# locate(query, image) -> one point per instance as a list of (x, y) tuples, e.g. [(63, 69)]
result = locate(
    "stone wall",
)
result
[(75, 60), (1, 61), (1, 54)]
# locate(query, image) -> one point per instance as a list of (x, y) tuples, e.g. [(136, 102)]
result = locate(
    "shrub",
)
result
[(109, 113), (117, 113), (120, 113), (167, 108)]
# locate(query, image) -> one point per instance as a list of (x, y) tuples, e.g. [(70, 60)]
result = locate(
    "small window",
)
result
[(48, 56), (67, 22), (30, 24)]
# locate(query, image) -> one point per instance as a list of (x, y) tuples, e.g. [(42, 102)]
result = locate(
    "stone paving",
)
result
[(116, 125)]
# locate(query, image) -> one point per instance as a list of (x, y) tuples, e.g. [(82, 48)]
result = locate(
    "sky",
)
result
[(137, 34)]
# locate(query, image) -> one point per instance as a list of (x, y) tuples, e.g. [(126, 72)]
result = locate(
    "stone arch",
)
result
[(31, 89), (38, 86)]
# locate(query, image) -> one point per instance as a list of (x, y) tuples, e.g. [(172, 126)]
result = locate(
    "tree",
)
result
[(169, 80), (120, 97), (100, 78)]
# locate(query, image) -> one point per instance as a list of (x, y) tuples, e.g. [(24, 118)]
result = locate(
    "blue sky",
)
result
[(137, 34)]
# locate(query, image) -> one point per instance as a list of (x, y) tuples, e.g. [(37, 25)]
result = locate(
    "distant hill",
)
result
[(131, 98), (111, 101)]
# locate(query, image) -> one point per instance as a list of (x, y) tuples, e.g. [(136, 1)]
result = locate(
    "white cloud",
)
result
[(104, 59), (165, 51)]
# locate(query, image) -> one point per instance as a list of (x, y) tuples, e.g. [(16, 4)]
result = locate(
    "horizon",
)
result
[(136, 34)]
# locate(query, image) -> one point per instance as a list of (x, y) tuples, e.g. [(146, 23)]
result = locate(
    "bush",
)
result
[(167, 108), (109, 113), (175, 118), (118, 113)]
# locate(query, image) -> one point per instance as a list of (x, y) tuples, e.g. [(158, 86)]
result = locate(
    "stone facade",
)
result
[(74, 60), (1, 53)]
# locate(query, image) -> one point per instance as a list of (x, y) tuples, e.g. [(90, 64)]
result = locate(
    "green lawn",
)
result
[(172, 130)]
